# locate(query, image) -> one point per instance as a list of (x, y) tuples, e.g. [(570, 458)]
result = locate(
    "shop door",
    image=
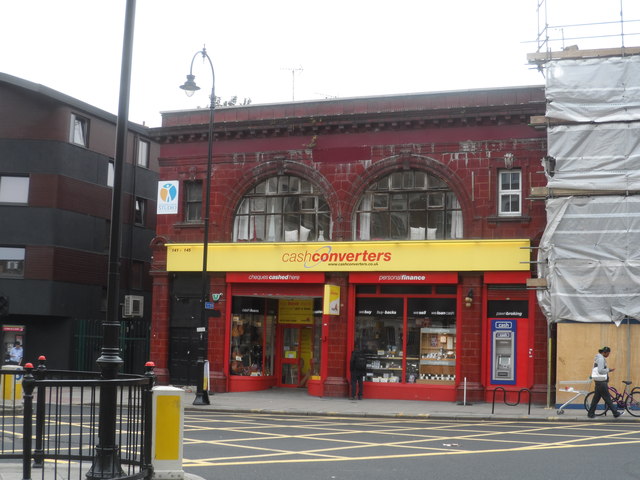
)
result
[(294, 359), (183, 356)]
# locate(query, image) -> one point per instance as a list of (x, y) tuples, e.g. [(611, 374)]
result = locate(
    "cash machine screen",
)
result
[(503, 351)]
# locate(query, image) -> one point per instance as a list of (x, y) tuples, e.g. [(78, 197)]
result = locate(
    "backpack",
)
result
[(360, 362)]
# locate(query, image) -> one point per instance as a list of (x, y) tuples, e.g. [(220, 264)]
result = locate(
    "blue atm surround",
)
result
[(503, 352)]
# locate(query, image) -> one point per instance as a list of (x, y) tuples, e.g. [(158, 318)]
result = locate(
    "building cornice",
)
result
[(451, 109)]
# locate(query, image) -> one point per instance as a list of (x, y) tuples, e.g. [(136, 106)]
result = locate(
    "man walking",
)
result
[(357, 367), (602, 386)]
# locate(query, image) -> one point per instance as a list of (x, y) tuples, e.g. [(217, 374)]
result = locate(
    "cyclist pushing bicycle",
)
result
[(600, 375)]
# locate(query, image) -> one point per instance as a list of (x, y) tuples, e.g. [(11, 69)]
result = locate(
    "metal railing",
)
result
[(11, 413), (505, 392), (53, 428)]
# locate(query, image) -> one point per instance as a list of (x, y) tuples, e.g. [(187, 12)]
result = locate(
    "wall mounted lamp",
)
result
[(468, 300)]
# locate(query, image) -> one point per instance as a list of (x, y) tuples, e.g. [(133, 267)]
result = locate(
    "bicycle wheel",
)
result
[(633, 404), (601, 409)]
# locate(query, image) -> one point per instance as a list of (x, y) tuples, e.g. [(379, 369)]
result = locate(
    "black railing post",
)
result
[(147, 464), (28, 384), (38, 452)]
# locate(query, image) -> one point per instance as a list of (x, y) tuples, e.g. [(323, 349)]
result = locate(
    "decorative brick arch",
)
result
[(423, 163), (270, 169)]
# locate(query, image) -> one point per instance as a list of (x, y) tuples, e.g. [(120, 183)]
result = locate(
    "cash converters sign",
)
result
[(434, 256), (326, 254)]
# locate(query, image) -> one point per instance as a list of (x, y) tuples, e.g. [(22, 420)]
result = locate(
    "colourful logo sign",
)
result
[(168, 197)]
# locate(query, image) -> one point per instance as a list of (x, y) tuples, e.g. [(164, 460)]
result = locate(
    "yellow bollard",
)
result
[(11, 387), (168, 431)]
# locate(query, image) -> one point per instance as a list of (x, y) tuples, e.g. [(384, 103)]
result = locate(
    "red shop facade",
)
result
[(396, 225), (427, 335)]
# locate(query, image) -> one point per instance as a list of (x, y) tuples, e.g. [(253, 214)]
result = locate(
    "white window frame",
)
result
[(111, 173), (79, 130), (140, 211), (282, 208), (408, 205), (14, 189), (12, 262), (504, 191), (193, 203), (143, 153)]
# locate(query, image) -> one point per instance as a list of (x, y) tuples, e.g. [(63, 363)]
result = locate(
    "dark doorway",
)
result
[(183, 354), (186, 291)]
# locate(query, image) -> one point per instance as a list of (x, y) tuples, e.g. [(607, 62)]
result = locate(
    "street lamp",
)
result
[(106, 462), (190, 87)]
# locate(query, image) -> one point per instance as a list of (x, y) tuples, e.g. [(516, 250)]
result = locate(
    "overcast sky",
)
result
[(331, 48)]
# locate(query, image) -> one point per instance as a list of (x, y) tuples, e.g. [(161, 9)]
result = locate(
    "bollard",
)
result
[(11, 387), (168, 421), (38, 451), (27, 422)]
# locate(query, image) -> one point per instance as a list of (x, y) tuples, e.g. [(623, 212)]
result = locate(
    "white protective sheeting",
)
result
[(590, 256), (595, 156), (594, 90)]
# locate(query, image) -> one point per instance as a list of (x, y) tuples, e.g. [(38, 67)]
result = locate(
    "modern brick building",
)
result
[(397, 225), (56, 177)]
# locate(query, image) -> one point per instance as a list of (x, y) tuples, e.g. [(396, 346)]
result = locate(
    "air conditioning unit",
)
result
[(133, 306)]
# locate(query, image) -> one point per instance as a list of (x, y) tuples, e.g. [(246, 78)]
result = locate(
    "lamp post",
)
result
[(106, 462), (190, 87)]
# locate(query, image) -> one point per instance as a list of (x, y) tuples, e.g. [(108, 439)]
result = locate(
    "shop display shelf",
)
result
[(451, 362)]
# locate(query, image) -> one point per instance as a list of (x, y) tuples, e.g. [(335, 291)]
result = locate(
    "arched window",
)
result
[(408, 205), (282, 208)]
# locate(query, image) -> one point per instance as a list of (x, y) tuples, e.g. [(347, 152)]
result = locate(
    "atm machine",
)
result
[(503, 352)]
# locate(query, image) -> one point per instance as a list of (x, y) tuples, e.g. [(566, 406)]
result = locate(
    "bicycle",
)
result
[(630, 401)]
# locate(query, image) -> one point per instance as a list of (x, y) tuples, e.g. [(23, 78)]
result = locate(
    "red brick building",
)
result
[(412, 208)]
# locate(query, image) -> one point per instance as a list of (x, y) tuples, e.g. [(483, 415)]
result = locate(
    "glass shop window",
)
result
[(416, 346), (380, 335), (431, 323), (252, 336)]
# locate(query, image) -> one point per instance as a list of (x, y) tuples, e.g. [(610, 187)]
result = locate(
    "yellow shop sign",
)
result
[(445, 255)]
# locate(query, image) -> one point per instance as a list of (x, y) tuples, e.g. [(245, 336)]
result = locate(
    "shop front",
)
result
[(405, 323), (275, 330), (509, 334), (295, 312)]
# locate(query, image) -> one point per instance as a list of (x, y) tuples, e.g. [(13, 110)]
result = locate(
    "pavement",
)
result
[(287, 401)]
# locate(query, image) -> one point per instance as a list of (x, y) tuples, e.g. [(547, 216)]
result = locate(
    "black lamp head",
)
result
[(190, 86)]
